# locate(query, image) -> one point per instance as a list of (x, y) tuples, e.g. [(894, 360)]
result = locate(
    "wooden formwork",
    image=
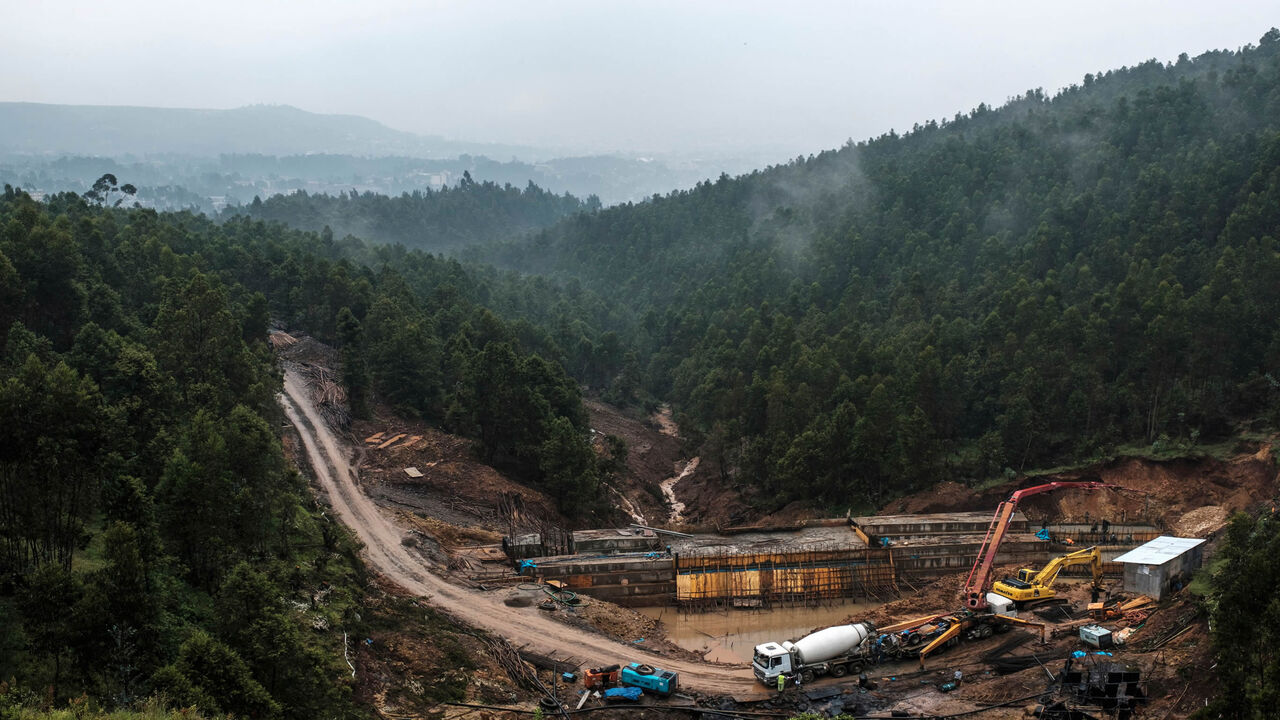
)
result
[(762, 579)]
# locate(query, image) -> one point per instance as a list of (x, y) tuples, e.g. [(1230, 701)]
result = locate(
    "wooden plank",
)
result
[(375, 437), (1137, 602), (413, 472), (411, 441), (388, 443)]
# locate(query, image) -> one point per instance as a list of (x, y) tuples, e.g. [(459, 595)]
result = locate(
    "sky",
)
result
[(673, 77)]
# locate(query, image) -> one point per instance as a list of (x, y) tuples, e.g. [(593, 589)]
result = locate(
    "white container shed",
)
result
[(1155, 568)]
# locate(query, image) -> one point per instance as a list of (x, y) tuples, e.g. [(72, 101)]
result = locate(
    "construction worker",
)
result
[(958, 677), (782, 682)]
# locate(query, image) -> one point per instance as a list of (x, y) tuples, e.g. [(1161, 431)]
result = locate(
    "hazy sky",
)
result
[(785, 76)]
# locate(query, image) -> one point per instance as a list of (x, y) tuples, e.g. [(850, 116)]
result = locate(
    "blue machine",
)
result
[(619, 694), (662, 682)]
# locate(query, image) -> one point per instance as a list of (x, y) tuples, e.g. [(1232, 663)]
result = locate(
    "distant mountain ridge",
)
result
[(37, 128)]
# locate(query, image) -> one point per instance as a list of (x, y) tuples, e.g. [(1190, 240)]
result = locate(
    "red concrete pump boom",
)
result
[(975, 588)]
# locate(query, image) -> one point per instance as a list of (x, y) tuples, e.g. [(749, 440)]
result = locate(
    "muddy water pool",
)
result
[(730, 636)]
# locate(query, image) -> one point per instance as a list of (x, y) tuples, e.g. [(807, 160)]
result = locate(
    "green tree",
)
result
[(355, 372), (46, 605), (208, 671), (1245, 620), (198, 341), (50, 465), (568, 467), (107, 188)]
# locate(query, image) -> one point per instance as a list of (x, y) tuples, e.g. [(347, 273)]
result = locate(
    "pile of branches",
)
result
[(516, 668), (328, 395), (281, 340), (1181, 626), (521, 672)]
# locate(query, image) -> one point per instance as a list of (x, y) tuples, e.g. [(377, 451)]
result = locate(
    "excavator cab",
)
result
[(1017, 583)]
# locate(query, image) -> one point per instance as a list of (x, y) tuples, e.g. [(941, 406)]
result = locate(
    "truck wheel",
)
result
[(839, 671), (855, 668), (806, 677)]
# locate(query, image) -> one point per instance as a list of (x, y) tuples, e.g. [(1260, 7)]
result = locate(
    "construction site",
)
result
[(870, 558), (1063, 595)]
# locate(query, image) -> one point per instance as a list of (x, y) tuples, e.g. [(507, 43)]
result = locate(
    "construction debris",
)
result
[(1115, 687), (390, 442)]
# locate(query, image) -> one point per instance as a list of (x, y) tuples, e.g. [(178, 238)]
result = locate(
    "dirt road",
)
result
[(329, 458)]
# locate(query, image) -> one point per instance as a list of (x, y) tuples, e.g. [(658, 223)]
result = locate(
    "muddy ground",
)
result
[(1194, 496)]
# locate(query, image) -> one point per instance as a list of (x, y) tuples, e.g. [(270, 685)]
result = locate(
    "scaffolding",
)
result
[(709, 581)]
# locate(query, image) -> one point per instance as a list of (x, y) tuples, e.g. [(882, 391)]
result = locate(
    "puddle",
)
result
[(731, 636)]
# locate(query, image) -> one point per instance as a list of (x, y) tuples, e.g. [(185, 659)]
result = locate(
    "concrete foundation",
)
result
[(587, 542), (637, 579), (933, 524)]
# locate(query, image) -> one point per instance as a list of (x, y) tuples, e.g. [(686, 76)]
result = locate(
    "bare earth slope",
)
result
[(333, 472)]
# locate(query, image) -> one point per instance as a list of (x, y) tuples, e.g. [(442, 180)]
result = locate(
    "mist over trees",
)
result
[(207, 160), (1009, 288), (472, 213)]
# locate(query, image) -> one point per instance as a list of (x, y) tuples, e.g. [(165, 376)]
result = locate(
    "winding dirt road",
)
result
[(523, 627)]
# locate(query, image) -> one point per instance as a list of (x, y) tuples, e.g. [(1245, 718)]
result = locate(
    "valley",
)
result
[(965, 409), (435, 537)]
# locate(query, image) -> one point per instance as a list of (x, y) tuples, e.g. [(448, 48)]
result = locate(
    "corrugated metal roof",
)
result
[(1159, 551)]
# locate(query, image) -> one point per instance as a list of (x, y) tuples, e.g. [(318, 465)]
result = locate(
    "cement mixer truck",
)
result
[(838, 650)]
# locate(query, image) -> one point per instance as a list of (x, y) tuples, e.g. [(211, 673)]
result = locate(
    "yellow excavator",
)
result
[(1033, 586)]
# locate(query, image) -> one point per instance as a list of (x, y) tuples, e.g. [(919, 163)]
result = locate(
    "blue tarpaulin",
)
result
[(623, 693), (1043, 534)]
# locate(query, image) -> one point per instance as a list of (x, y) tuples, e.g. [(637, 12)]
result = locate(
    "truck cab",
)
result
[(1001, 605), (769, 660)]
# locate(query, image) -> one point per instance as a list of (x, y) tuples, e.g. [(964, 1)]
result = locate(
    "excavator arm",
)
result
[(979, 579), (1088, 556)]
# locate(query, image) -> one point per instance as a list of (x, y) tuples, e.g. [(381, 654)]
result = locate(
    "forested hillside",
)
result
[(473, 213), (1011, 288), (153, 538)]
